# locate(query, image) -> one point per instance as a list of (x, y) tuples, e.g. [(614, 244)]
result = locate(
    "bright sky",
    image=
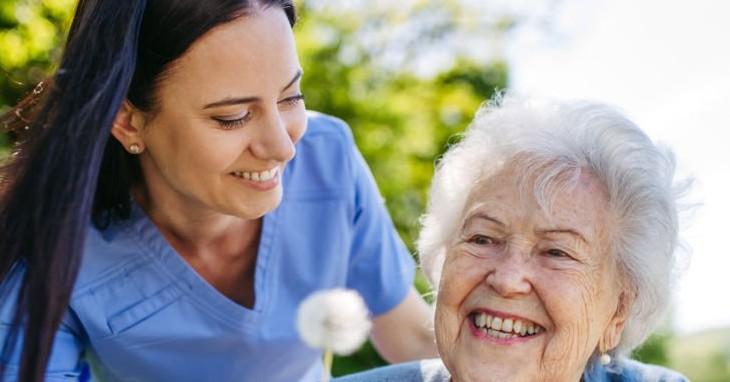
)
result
[(666, 63)]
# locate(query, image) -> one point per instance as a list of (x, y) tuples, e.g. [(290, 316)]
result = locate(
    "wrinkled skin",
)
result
[(552, 268)]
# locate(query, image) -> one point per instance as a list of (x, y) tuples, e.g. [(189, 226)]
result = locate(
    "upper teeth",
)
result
[(508, 325), (257, 176)]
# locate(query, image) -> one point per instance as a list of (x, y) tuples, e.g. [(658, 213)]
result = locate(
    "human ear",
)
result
[(612, 334), (128, 127)]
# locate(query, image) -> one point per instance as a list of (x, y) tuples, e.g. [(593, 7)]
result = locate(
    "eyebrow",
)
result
[(483, 216), (564, 231), (297, 76), (241, 100)]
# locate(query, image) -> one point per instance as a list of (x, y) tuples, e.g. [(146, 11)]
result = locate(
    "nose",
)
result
[(509, 277), (272, 140)]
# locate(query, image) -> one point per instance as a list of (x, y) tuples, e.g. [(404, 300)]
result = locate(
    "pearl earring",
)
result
[(605, 359), (134, 148)]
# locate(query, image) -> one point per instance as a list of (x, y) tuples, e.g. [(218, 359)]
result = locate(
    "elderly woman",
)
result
[(551, 234)]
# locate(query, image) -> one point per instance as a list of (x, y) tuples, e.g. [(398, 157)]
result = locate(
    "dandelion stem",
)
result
[(327, 366)]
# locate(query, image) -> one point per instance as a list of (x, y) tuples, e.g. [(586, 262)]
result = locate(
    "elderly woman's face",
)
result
[(527, 295)]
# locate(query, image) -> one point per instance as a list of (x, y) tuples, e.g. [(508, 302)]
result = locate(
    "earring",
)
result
[(605, 359), (134, 148)]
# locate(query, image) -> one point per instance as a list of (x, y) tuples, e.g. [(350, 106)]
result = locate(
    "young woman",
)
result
[(156, 223)]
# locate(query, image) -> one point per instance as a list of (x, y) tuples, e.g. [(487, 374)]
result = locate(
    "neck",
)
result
[(200, 232)]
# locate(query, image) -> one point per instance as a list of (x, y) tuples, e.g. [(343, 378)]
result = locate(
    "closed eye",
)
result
[(230, 124), (292, 101)]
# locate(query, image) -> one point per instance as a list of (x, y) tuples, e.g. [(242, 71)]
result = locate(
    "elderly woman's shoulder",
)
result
[(633, 371), (430, 370), (433, 370)]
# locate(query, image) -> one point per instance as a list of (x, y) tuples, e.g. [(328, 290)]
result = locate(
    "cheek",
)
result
[(210, 155), (459, 278), (568, 293), (192, 149), (573, 303), (446, 327)]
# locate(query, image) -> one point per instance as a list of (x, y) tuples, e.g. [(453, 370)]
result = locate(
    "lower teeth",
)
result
[(499, 334)]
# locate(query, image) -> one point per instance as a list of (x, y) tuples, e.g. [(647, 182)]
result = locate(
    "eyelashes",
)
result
[(481, 240), (229, 124), (483, 243), (292, 101)]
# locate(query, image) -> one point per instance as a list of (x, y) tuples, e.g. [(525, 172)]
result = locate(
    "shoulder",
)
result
[(122, 265), (9, 291), (322, 124), (645, 372), (628, 370), (325, 156), (107, 254), (431, 370), (325, 133), (405, 372), (127, 274)]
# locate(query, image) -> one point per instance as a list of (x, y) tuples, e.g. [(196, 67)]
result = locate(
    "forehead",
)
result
[(579, 203), (250, 53), (243, 37)]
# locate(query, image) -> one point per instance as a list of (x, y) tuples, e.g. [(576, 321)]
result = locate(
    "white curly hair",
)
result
[(555, 139)]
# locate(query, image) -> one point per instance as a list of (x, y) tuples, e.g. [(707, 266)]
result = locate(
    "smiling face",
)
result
[(526, 295), (227, 116)]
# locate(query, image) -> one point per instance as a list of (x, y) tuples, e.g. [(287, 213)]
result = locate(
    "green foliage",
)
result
[(702, 356), (31, 36), (402, 121), (655, 350), (363, 64), (366, 358), (4, 147)]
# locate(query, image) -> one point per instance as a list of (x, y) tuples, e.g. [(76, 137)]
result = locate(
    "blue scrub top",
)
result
[(140, 312)]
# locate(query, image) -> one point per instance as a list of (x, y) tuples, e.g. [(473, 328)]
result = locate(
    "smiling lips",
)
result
[(503, 327), (257, 176)]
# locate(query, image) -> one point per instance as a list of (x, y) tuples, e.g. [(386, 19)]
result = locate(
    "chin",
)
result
[(262, 206)]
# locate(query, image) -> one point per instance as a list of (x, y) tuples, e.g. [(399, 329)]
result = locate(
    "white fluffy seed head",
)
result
[(334, 319)]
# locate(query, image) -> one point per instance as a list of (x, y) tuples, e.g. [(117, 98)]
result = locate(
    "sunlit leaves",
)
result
[(359, 65)]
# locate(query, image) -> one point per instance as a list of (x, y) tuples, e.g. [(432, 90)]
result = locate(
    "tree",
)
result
[(31, 36), (402, 121)]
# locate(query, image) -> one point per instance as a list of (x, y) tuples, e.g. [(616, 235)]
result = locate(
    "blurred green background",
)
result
[(396, 74)]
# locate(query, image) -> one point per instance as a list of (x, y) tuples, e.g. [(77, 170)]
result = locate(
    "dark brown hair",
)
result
[(68, 170)]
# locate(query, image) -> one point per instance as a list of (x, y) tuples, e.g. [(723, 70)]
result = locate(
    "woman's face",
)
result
[(228, 115), (527, 295)]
